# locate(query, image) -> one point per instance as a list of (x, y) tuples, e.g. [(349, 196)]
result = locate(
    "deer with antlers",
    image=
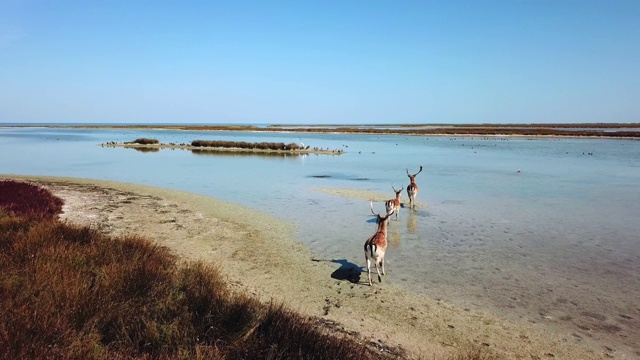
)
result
[(412, 189), (376, 245), (393, 205)]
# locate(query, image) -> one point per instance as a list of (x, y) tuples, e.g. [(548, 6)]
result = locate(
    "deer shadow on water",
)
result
[(347, 271)]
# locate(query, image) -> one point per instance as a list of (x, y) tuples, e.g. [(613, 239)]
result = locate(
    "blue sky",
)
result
[(336, 62)]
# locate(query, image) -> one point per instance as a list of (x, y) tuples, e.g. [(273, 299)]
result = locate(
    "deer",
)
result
[(412, 189), (376, 245), (393, 205)]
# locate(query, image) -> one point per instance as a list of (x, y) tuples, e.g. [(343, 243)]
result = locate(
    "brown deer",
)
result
[(412, 189), (393, 205), (376, 245)]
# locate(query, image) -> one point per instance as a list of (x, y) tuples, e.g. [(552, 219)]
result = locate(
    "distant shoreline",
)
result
[(583, 130)]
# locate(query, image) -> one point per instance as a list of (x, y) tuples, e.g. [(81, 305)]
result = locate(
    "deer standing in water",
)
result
[(376, 245), (412, 189), (393, 205)]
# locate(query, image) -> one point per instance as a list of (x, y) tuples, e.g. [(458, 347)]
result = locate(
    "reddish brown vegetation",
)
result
[(21, 199)]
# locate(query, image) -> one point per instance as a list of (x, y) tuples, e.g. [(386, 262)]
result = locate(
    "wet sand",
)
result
[(259, 256), (556, 276)]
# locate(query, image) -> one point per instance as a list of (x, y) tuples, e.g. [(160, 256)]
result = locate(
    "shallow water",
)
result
[(543, 230)]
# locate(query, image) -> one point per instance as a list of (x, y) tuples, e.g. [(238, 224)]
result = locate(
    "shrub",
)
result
[(145, 141), (21, 198)]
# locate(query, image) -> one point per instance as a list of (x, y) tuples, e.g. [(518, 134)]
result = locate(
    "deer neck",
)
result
[(382, 228)]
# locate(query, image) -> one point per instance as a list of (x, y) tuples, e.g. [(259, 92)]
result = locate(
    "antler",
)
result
[(371, 204), (415, 173), (378, 214), (394, 189)]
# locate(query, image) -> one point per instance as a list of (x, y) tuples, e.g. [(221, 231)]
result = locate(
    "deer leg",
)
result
[(382, 264), (369, 271), (378, 271)]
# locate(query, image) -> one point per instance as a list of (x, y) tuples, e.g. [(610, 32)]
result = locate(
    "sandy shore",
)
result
[(258, 255)]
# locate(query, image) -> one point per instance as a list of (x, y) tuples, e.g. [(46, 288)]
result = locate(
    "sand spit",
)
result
[(156, 147), (258, 255), (355, 193)]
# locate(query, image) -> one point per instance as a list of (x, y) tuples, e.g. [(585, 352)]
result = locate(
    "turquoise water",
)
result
[(543, 230)]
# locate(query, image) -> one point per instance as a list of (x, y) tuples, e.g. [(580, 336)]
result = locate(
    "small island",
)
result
[(222, 146)]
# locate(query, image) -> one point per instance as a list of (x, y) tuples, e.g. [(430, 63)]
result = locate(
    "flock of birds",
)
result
[(376, 245)]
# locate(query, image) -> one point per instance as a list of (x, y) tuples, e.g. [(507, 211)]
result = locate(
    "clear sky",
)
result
[(339, 62)]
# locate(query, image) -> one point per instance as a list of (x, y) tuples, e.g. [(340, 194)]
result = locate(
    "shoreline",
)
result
[(259, 256), (624, 131)]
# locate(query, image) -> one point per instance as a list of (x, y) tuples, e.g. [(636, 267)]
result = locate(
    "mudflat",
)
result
[(258, 255)]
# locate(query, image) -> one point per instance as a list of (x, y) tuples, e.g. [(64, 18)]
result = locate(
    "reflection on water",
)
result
[(340, 176), (412, 221), (146, 149), (533, 230), (246, 153), (393, 235)]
